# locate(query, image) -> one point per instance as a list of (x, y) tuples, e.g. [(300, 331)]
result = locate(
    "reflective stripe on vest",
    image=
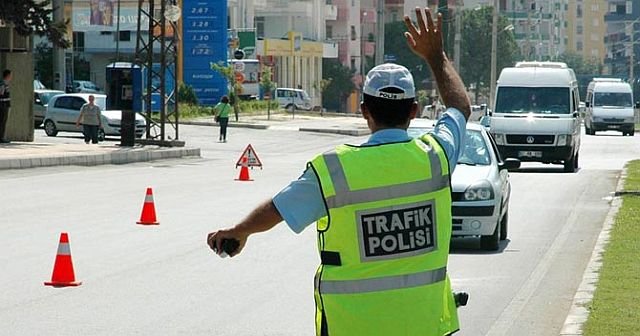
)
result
[(382, 284), (345, 196)]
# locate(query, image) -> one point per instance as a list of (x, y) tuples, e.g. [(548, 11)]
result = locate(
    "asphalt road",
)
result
[(164, 280)]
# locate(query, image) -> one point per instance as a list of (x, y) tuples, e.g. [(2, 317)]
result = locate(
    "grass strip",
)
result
[(615, 309)]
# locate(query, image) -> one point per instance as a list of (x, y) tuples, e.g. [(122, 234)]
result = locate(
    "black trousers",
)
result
[(90, 133), (224, 122), (4, 115)]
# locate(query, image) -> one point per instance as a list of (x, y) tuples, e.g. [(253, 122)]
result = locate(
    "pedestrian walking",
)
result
[(5, 104), (221, 111), (383, 209), (91, 119)]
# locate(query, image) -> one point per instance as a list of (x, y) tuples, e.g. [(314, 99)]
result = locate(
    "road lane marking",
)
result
[(508, 316)]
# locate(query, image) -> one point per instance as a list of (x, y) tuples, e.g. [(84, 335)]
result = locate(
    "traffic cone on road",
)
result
[(148, 216), (244, 170), (63, 274)]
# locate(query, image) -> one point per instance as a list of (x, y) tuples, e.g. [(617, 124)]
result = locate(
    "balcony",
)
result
[(369, 48), (331, 12)]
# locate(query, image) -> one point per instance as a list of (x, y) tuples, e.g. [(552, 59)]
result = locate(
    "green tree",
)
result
[(580, 65), (395, 45), (34, 17), (227, 72), (340, 85), (187, 95), (267, 86), (475, 61)]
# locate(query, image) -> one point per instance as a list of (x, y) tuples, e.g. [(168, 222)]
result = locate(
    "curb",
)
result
[(98, 159), (239, 125), (352, 132), (579, 312)]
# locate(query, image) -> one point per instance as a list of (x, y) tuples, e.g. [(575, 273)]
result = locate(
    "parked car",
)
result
[(63, 111), (41, 99), (81, 86), (293, 98), (480, 186)]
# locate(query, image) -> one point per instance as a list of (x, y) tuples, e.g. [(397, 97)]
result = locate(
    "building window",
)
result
[(579, 30), (595, 37), (78, 41), (579, 46), (125, 35), (354, 36), (579, 11), (596, 23), (595, 8), (353, 63), (329, 31), (259, 24), (595, 53), (629, 7)]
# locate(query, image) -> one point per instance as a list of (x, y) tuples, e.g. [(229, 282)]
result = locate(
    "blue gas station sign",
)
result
[(204, 41)]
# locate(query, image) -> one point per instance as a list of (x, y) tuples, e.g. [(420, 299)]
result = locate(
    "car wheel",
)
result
[(290, 108), (632, 132), (492, 242), (570, 164), (101, 135), (50, 128), (503, 225)]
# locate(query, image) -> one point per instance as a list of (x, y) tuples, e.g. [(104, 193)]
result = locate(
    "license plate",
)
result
[(534, 154), (614, 126)]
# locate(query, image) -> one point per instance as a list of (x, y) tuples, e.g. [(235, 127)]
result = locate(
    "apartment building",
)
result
[(622, 23), (540, 26), (586, 28)]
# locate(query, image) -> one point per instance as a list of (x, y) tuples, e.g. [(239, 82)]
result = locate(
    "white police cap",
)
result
[(389, 75)]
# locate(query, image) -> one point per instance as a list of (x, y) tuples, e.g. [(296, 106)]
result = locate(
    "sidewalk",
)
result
[(18, 155), (353, 125)]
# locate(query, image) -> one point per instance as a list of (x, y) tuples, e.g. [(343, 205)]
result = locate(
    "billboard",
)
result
[(204, 41)]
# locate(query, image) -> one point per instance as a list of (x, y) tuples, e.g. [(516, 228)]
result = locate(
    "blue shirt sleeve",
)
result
[(301, 202), (450, 132)]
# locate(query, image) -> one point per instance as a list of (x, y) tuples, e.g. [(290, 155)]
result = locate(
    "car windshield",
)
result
[(475, 150), (545, 100), (46, 96), (613, 99)]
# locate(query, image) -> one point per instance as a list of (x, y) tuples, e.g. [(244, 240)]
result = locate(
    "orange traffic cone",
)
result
[(63, 268), (244, 171), (148, 216)]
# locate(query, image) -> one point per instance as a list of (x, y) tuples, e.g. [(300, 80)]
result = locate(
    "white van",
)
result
[(535, 117), (293, 98), (609, 106)]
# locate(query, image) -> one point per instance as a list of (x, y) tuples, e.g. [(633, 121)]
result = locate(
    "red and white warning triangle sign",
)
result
[(252, 158)]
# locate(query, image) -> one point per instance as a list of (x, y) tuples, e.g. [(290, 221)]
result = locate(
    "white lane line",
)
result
[(504, 322)]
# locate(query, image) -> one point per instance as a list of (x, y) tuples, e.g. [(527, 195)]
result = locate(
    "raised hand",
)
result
[(427, 41)]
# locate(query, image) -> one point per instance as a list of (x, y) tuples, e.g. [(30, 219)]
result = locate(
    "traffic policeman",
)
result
[(383, 209), (5, 103)]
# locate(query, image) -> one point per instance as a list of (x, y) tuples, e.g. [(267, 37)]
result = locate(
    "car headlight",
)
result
[(630, 119), (480, 191), (499, 138), (564, 139)]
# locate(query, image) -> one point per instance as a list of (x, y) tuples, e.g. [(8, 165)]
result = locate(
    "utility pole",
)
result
[(528, 28), (380, 33), (494, 52), (59, 72), (458, 35), (443, 7), (630, 32)]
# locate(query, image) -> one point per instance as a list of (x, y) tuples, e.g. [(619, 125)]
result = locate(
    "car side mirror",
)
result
[(575, 114), (638, 104), (509, 164), (587, 104)]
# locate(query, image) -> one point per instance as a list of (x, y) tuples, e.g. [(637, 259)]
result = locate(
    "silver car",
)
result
[(63, 112), (480, 186)]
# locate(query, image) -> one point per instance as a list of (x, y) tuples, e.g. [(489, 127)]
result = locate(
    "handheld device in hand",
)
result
[(228, 247), (461, 298)]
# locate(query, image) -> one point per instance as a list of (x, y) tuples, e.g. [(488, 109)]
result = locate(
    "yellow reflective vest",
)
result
[(384, 245)]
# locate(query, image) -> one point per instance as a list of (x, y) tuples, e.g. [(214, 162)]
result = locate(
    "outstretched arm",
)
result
[(426, 42), (262, 218)]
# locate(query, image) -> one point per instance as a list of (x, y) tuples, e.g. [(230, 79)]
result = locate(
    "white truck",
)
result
[(609, 106), (535, 117)]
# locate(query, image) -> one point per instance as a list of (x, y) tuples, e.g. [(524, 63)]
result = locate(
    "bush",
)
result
[(253, 106), (187, 95)]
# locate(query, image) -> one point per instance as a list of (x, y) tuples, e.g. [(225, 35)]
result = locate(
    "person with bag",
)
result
[(221, 111)]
